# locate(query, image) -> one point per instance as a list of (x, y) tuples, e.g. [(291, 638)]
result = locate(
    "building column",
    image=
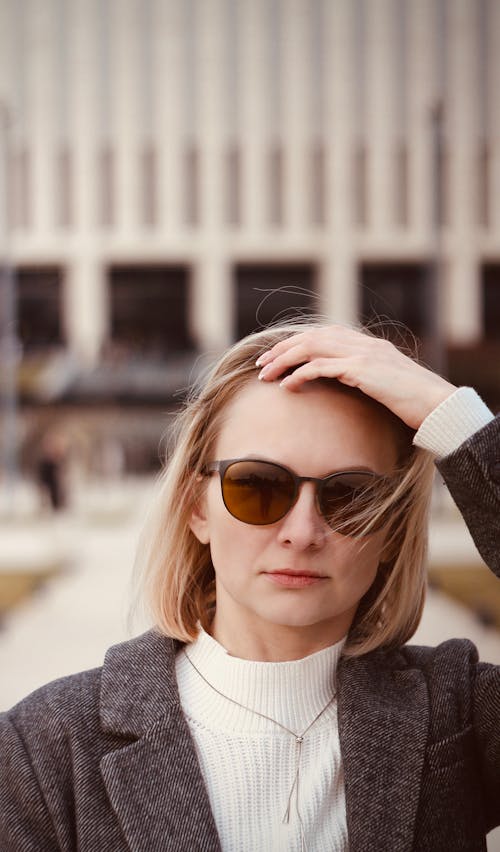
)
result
[(212, 311), (255, 142), (380, 88), (463, 298), (86, 309), (339, 275)]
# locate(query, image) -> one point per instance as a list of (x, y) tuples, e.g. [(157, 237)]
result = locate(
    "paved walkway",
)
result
[(69, 623)]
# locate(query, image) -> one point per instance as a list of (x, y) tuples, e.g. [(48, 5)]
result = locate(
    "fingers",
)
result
[(295, 355), (326, 368), (301, 348)]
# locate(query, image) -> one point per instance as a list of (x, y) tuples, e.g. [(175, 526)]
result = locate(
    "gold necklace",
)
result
[(299, 739)]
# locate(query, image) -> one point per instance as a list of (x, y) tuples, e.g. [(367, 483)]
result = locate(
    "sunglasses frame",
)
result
[(222, 466)]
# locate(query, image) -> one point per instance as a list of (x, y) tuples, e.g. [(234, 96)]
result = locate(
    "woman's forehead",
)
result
[(320, 422)]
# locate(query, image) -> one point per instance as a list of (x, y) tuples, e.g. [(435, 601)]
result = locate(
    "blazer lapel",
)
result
[(157, 793), (153, 780), (383, 724)]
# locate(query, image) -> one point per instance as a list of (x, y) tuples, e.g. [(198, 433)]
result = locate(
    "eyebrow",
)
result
[(357, 468)]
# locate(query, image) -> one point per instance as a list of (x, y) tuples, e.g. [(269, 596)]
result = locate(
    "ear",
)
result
[(198, 522)]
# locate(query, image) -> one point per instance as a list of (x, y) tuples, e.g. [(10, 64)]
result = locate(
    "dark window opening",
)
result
[(491, 301), (478, 366), (149, 310), (39, 295), (267, 293), (396, 293)]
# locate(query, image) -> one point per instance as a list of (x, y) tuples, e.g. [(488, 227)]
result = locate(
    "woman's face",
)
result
[(317, 431)]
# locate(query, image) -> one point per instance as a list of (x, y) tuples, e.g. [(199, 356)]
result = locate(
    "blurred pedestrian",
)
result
[(51, 471)]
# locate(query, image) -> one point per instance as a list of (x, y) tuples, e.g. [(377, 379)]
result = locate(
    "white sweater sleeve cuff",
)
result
[(452, 422)]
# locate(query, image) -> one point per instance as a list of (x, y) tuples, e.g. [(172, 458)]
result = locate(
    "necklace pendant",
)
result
[(299, 739)]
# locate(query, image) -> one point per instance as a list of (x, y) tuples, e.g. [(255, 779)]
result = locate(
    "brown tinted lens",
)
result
[(345, 496), (257, 492)]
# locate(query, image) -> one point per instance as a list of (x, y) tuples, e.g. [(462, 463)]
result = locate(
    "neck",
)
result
[(275, 643)]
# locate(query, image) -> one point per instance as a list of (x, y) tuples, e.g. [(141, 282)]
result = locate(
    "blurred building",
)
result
[(176, 172)]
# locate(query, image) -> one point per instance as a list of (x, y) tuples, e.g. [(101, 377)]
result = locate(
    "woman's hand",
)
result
[(371, 364)]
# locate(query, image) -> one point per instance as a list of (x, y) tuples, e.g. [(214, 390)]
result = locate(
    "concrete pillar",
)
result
[(463, 120), (86, 308), (210, 132), (211, 314), (40, 140), (296, 120), (462, 298), (83, 131), (168, 112), (339, 286), (124, 83), (463, 318), (380, 118), (423, 94), (255, 143), (339, 271)]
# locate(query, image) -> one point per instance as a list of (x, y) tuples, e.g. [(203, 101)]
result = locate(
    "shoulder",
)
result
[(71, 703), (451, 666), (454, 652), (51, 717), (453, 674), (450, 656)]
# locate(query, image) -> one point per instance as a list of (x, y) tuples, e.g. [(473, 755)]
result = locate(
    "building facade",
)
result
[(175, 172)]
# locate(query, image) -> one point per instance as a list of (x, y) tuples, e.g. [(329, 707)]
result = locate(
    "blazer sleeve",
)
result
[(472, 474), (25, 821), (486, 724)]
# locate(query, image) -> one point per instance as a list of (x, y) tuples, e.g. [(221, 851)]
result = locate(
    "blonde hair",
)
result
[(175, 572)]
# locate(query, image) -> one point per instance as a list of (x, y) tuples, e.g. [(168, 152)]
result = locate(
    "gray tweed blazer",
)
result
[(103, 761)]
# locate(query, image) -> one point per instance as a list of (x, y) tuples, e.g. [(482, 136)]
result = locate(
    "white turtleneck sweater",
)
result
[(248, 763)]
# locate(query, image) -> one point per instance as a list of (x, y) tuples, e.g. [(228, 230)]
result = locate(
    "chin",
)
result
[(299, 619)]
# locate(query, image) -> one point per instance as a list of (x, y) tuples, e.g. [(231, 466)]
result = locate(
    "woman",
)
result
[(286, 561)]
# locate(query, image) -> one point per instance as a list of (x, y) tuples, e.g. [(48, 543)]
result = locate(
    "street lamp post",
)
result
[(435, 351), (8, 337)]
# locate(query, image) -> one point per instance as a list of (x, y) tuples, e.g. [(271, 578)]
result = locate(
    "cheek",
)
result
[(231, 542), (360, 559)]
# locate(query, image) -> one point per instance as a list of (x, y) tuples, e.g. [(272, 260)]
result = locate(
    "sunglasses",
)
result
[(262, 492)]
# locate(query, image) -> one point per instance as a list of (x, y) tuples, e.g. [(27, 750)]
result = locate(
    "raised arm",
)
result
[(456, 426), (472, 473)]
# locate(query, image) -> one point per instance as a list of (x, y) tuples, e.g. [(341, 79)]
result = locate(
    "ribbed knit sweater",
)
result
[(248, 763)]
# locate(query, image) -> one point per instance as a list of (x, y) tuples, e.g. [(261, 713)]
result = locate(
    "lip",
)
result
[(294, 579)]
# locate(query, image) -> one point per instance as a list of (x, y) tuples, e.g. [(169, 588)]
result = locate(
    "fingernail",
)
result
[(283, 382), (263, 372), (262, 359)]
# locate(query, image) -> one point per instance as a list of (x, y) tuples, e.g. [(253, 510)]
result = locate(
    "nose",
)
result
[(303, 527)]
